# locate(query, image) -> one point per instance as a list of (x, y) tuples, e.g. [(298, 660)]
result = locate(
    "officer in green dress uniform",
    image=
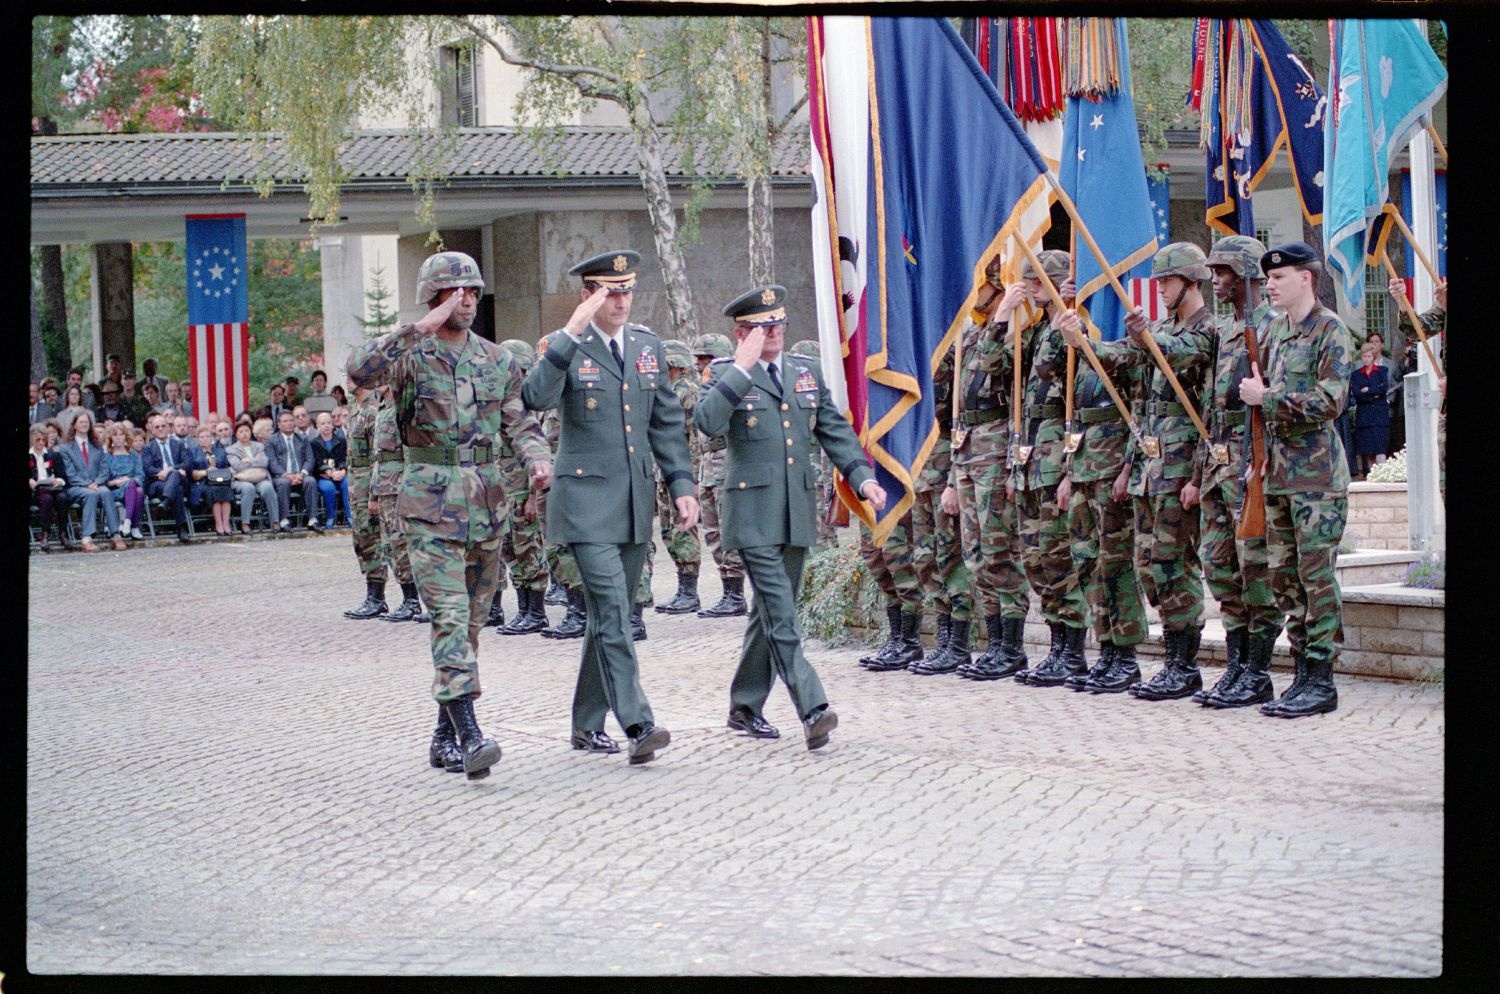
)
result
[(772, 407), (620, 419)]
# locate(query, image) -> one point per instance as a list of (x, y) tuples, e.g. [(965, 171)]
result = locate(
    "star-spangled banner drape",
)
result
[(218, 313)]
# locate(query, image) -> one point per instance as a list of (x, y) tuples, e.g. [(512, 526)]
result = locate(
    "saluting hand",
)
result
[(747, 354), (585, 311), (434, 319)]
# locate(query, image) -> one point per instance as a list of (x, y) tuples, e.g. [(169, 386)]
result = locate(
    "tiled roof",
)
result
[(371, 156)]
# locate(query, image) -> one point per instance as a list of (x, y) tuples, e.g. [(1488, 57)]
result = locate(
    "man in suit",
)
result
[(773, 407), (289, 458), (39, 410), (86, 472), (607, 379), (166, 462), (278, 392)]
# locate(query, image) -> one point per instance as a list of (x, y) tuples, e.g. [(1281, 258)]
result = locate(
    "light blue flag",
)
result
[(1386, 79), (1102, 170)]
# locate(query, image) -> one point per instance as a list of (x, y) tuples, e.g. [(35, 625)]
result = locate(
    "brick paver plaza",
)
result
[(256, 799)]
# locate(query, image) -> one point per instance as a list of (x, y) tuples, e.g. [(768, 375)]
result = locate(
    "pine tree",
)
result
[(381, 319)]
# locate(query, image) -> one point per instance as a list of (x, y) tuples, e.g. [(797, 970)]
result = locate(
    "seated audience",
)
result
[(252, 476), (86, 473), (126, 478), (330, 457), (47, 484), (214, 458)]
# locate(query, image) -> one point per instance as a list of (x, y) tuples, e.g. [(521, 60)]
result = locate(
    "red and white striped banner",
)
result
[(219, 356), (1143, 295)]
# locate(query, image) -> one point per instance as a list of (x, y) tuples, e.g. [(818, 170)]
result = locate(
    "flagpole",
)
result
[(1088, 350), (1411, 313), (1438, 142), (1411, 240), (1114, 281)]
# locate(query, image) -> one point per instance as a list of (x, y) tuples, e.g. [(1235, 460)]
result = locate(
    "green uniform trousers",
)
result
[(1102, 547), (608, 674), (457, 583), (892, 565), (1172, 559), (393, 540), (1049, 557), (366, 526), (1235, 568), (1302, 544), (946, 581), (990, 540), (772, 645), (730, 566)]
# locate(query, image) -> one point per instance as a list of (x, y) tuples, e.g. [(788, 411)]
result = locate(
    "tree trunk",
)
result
[(762, 230), (1314, 236), (114, 276), (38, 352), (53, 315), (663, 222)]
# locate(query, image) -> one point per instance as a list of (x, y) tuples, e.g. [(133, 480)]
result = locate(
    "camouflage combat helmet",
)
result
[(1055, 263), (1181, 259), (712, 345), (678, 355), (1239, 253), (807, 347), (523, 354), (445, 270)]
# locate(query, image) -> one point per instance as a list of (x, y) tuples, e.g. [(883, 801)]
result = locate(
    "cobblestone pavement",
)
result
[(256, 799)]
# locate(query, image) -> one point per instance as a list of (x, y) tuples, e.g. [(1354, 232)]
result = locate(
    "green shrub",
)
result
[(838, 593)]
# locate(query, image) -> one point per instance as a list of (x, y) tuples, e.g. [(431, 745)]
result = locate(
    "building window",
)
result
[(459, 103), (1378, 303)]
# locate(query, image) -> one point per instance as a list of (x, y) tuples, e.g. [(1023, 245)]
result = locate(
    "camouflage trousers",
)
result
[(522, 548), (827, 533), (946, 581), (1046, 547), (1302, 544), (1171, 559), (1235, 568), (564, 569), (730, 565), (990, 540), (682, 546), (457, 581), (892, 566), (366, 527), (1102, 534), (393, 540)]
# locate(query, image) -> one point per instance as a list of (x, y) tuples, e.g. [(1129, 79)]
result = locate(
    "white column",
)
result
[(343, 275), (96, 321)]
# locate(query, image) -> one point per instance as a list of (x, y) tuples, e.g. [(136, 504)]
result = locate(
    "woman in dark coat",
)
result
[(1372, 420)]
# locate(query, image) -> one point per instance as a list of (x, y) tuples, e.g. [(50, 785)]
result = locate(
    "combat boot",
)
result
[(1050, 662), (1234, 663), (497, 613), (732, 604), (1065, 659), (993, 635), (572, 625), (939, 646), (478, 752), (443, 753), (1080, 681), (1254, 683), (556, 595), (374, 605), (637, 624), (953, 653), (893, 643), (530, 616), (686, 601), (1123, 673), (1012, 655), (410, 605), (1179, 677), (1315, 695), (908, 650)]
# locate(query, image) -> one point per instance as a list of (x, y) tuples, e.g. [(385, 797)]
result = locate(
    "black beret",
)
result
[(1291, 254)]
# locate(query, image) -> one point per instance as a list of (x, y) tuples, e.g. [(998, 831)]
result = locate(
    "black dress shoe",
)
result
[(742, 720), (646, 740), (594, 742), (315, 525), (818, 725), (183, 536)]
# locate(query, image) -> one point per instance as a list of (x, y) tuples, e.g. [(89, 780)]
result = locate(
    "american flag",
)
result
[(218, 313), (1143, 295)]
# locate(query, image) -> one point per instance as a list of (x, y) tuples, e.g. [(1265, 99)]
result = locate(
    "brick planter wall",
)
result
[(1377, 516)]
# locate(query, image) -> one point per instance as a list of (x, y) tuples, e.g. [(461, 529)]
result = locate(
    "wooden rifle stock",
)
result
[(1252, 522)]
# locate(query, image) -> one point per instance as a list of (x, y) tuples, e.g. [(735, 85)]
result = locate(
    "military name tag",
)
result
[(646, 361), (1219, 451), (588, 374), (1151, 445), (1071, 440), (805, 382)]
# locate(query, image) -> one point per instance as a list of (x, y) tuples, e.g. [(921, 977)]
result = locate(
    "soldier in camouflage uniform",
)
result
[(1234, 568), (682, 546), (454, 393), (559, 559), (1037, 469), (522, 548), (710, 478), (894, 568), (366, 529), (946, 581), (828, 535), (1434, 322), (1307, 362), (1162, 460), (1101, 521), (988, 522), (385, 487)]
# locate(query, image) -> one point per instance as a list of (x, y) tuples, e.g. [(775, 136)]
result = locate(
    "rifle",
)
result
[(1252, 522)]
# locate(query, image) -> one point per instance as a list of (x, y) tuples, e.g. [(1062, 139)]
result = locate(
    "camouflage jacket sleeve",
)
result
[(520, 426), (1308, 378), (377, 358), (1434, 322)]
